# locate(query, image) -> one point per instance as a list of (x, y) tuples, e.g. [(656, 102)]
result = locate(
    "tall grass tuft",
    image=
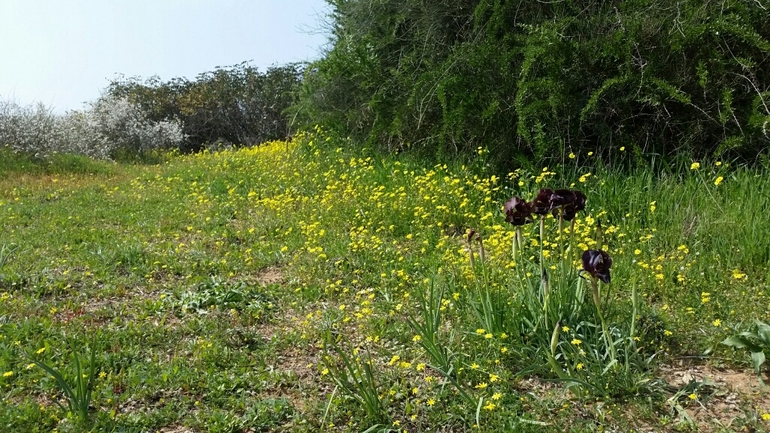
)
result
[(79, 388)]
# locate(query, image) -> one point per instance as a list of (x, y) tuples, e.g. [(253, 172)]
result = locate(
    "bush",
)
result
[(543, 79), (128, 128), (109, 126), (236, 105), (33, 130)]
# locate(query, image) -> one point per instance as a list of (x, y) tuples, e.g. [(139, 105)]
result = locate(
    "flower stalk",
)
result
[(469, 239), (597, 264)]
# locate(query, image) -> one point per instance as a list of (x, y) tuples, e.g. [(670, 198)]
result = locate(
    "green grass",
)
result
[(302, 287), (19, 164)]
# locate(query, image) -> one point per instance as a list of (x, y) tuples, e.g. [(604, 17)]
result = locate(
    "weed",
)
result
[(756, 341), (6, 253), (235, 296), (78, 389), (356, 377)]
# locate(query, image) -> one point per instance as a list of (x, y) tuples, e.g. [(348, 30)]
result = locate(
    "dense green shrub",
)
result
[(543, 79), (232, 105)]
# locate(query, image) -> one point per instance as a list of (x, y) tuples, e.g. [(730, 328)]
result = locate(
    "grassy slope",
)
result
[(214, 281)]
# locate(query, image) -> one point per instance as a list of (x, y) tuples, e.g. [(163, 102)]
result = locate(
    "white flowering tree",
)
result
[(109, 125), (126, 127), (31, 129)]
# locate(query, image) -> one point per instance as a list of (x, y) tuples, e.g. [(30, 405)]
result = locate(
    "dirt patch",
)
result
[(302, 365), (722, 395), (176, 429), (101, 310), (298, 362), (301, 362), (263, 277), (270, 275)]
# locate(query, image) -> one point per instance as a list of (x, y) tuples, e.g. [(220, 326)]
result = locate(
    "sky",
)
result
[(62, 53)]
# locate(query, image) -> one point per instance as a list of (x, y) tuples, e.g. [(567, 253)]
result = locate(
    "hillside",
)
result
[(297, 286)]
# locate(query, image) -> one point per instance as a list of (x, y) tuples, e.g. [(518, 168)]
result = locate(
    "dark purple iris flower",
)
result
[(518, 212), (580, 200), (597, 263), (542, 203), (561, 197), (567, 203)]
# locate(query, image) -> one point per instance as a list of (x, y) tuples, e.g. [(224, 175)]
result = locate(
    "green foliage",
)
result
[(268, 413), (57, 164), (541, 79), (78, 388), (236, 105), (428, 328), (6, 253), (216, 293), (355, 376), (756, 341)]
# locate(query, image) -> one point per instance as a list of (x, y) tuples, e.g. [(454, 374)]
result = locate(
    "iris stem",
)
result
[(513, 244), (546, 295), (561, 242), (571, 240), (552, 356), (607, 336), (542, 237), (482, 253), (517, 245), (634, 310)]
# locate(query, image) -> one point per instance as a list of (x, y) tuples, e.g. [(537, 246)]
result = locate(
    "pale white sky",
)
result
[(63, 52)]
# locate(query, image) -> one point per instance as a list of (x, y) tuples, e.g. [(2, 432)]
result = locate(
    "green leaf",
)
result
[(757, 358), (741, 342), (607, 368), (763, 332)]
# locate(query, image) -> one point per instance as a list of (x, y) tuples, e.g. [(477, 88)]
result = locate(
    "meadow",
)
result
[(304, 286)]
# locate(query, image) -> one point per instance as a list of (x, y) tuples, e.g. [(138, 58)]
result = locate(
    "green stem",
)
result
[(561, 244), (607, 336), (567, 260), (546, 296), (634, 310), (599, 236), (482, 253), (513, 245), (557, 368), (542, 238), (571, 242), (470, 255)]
